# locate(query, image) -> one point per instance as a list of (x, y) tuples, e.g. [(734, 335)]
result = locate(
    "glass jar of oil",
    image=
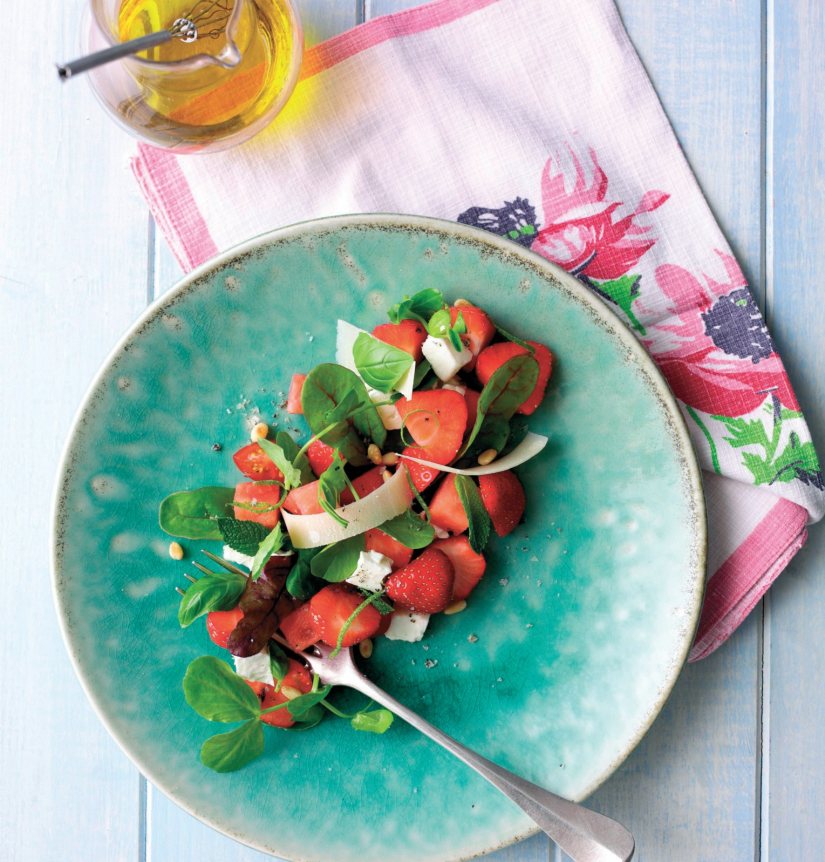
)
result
[(222, 81)]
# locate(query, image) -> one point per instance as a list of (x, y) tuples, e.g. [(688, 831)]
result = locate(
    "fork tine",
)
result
[(224, 564)]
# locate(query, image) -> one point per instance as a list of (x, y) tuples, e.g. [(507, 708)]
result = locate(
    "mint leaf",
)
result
[(217, 591), (216, 692), (373, 721), (420, 306), (272, 544), (242, 536), (292, 476), (409, 529), (228, 752), (336, 562), (192, 514), (382, 607), (479, 520), (381, 365), (278, 661)]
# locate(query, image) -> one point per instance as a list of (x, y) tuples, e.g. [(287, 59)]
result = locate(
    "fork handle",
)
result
[(584, 835)]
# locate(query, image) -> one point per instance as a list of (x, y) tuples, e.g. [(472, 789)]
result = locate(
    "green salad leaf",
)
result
[(409, 529), (372, 721), (293, 452), (331, 484), (336, 562), (194, 514), (216, 591), (244, 537), (278, 661), (228, 752), (479, 520), (272, 544), (216, 692), (276, 454), (300, 581), (381, 365), (420, 306)]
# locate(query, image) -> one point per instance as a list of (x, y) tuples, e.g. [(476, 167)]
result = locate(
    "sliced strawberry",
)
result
[(435, 418), (421, 475), (252, 461), (469, 566), (480, 329), (297, 678), (425, 585), (504, 500), (334, 605), (375, 540), (262, 498), (301, 628), (471, 397), (221, 624), (304, 500), (320, 456), (364, 484), (446, 510), (296, 388), (407, 335), (494, 356), (386, 619)]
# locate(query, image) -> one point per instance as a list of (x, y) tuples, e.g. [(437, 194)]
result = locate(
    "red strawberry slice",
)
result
[(221, 624), (252, 461), (301, 628), (469, 566), (334, 605), (296, 388), (375, 540), (364, 484), (421, 475), (425, 585), (320, 456), (480, 329), (446, 510), (493, 357), (304, 500), (298, 678), (262, 497), (436, 419), (471, 397), (503, 497), (407, 335)]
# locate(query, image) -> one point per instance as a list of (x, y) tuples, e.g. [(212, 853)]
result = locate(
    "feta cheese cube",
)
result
[(255, 667), (444, 358), (407, 626), (371, 570)]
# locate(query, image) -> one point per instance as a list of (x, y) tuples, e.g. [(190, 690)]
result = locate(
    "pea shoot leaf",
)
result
[(292, 450), (228, 752), (216, 692), (372, 721)]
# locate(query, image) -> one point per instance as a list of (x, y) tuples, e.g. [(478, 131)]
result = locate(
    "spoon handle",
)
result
[(115, 52), (584, 835)]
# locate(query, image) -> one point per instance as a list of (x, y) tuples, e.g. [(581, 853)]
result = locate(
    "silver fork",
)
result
[(583, 834)]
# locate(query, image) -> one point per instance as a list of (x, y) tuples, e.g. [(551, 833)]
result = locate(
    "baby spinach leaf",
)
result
[(272, 544), (300, 581), (217, 591), (479, 520), (228, 752), (278, 661), (276, 454), (193, 514), (216, 692), (336, 562), (372, 721), (420, 306), (409, 529), (381, 365), (244, 537)]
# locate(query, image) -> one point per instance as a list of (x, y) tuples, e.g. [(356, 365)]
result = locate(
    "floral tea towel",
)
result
[(500, 114)]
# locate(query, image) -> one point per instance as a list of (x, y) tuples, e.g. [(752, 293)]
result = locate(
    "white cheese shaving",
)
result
[(388, 413), (444, 358), (371, 570), (407, 626), (255, 667), (531, 445), (233, 556), (456, 387)]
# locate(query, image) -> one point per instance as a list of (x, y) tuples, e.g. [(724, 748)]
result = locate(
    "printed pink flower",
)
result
[(583, 232), (718, 355)]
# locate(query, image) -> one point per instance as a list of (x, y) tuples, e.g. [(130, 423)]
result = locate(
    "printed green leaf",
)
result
[(745, 432), (216, 692), (373, 721), (336, 562), (228, 752), (244, 537), (272, 544), (409, 529), (276, 454), (420, 306), (217, 591), (381, 365), (479, 520), (622, 292), (193, 514)]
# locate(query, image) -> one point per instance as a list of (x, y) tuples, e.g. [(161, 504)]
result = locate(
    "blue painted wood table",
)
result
[(733, 768)]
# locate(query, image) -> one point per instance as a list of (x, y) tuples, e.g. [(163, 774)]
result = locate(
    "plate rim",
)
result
[(691, 477)]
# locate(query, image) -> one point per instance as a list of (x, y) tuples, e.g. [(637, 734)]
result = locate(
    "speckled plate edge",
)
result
[(601, 315)]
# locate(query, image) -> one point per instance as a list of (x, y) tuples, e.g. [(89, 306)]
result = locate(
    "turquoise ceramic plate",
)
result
[(570, 644)]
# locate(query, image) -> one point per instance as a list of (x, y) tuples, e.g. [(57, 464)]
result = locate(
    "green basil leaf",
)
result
[(372, 721), (479, 520), (291, 450), (455, 341), (300, 581), (336, 562), (439, 324), (292, 475), (301, 705), (460, 325), (242, 536), (216, 692), (278, 661), (217, 591), (272, 544), (493, 434), (228, 752), (420, 306), (381, 365), (192, 514), (409, 529)]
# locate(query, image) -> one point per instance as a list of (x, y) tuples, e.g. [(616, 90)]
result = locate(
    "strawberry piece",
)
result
[(503, 497), (436, 419), (364, 484), (493, 357), (480, 329), (221, 624), (301, 628), (334, 605), (296, 389), (261, 496), (375, 540), (421, 475), (320, 456), (446, 510), (407, 335), (469, 566), (253, 462), (471, 397), (425, 585), (297, 677), (304, 500), (386, 620)]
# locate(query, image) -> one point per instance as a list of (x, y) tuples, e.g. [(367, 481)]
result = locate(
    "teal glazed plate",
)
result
[(567, 649)]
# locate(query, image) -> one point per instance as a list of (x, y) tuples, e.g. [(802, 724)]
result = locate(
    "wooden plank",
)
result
[(794, 757)]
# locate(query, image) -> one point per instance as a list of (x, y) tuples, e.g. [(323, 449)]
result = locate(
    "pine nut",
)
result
[(456, 607), (390, 459), (487, 457), (290, 693), (365, 648), (259, 431), (463, 303), (374, 454), (386, 475), (176, 550)]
